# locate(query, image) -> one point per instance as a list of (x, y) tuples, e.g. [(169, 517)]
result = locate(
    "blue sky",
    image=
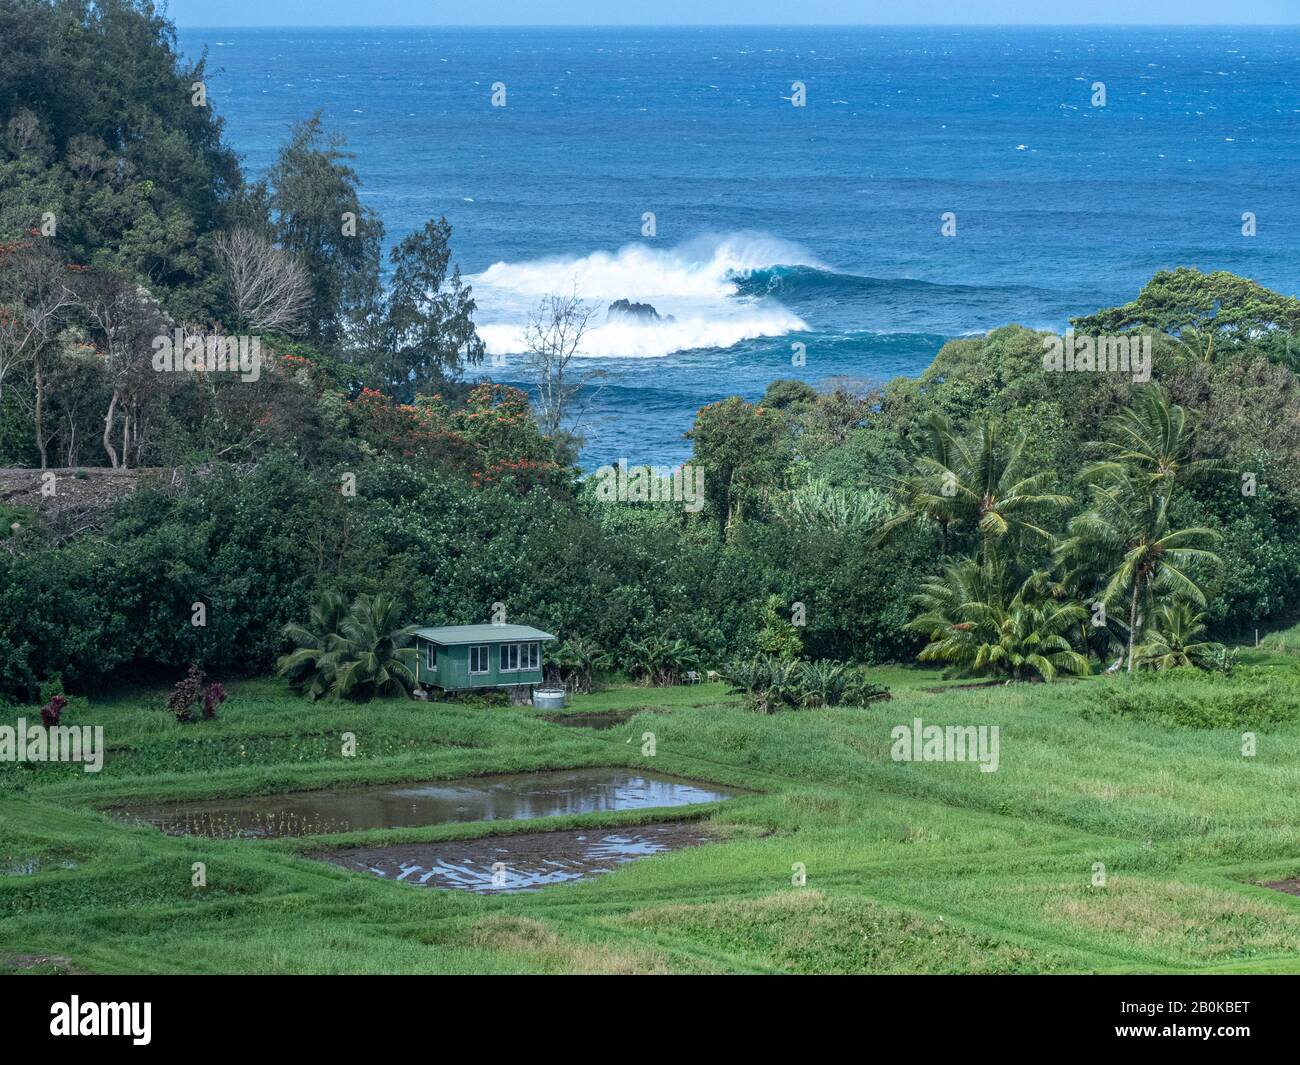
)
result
[(735, 12)]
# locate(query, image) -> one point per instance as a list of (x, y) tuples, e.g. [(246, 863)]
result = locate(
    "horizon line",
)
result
[(740, 25)]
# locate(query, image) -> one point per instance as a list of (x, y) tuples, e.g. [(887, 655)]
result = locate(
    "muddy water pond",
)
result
[(517, 796), (519, 862), (597, 719)]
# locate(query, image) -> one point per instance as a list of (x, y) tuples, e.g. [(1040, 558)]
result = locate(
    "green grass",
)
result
[(1279, 646), (911, 867)]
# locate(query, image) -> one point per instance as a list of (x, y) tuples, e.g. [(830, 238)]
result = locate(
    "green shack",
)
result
[(466, 657)]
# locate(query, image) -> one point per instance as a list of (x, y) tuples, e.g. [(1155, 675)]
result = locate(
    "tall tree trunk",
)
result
[(108, 429), (1132, 621), (38, 415), (137, 436), (126, 437)]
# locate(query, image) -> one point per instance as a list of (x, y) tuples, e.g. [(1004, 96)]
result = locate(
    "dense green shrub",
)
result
[(770, 683), (256, 546)]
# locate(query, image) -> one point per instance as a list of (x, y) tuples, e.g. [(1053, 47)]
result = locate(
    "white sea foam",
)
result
[(621, 337), (706, 266), (694, 283)]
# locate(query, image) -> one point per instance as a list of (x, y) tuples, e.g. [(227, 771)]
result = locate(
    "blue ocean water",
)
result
[(777, 224)]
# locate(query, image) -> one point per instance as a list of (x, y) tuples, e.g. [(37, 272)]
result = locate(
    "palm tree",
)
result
[(1174, 639), (980, 621), (974, 481), (1152, 437), (921, 495), (310, 667), (375, 656), (1199, 344), (1127, 535)]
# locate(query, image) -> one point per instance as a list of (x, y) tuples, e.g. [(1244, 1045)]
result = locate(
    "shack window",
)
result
[(532, 656), (478, 658), (431, 657), (509, 657)]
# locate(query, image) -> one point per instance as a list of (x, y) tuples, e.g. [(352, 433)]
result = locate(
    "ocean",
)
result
[(777, 225)]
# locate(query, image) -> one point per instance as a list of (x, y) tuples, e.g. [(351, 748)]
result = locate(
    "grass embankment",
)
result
[(911, 867)]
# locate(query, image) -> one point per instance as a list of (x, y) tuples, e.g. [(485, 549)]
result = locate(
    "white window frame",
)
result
[(483, 657), (431, 657), (508, 652), (530, 656)]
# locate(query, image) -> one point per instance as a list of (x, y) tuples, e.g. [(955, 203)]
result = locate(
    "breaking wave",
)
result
[(697, 287)]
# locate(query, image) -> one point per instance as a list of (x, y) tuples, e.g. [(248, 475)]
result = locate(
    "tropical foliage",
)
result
[(770, 683), (1124, 558), (981, 621), (359, 653), (658, 660), (1128, 538), (1176, 639), (310, 667), (375, 656), (818, 504), (975, 483), (573, 663), (778, 636)]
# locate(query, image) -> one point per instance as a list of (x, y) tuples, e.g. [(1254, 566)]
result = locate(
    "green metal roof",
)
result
[(451, 635)]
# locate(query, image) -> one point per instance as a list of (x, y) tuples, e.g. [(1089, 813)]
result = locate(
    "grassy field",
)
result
[(931, 867)]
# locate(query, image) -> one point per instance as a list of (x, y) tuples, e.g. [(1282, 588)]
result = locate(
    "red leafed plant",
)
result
[(213, 696), (50, 711), (186, 693)]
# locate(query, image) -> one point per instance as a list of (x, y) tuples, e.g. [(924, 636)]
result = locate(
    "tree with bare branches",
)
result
[(35, 300), (123, 319), (35, 296), (552, 337), (269, 288)]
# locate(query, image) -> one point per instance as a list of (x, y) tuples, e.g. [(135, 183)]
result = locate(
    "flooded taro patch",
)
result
[(520, 862), (518, 796), (32, 866), (595, 719)]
